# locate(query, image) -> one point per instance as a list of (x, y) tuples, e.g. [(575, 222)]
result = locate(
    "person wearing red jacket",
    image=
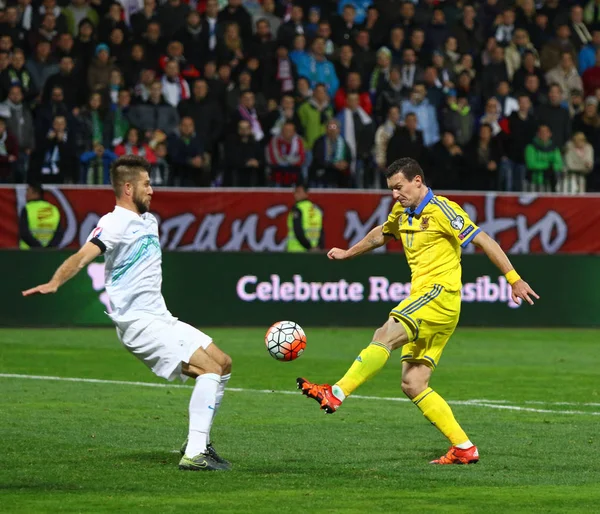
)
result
[(285, 156), (353, 85)]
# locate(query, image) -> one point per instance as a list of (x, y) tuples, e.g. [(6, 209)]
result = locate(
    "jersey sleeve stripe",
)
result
[(452, 211), (470, 238), (99, 244), (446, 212)]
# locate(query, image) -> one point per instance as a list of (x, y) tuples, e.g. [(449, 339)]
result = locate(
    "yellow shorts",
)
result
[(430, 317)]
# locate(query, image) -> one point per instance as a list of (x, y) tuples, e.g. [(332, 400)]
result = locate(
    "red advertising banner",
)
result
[(255, 220)]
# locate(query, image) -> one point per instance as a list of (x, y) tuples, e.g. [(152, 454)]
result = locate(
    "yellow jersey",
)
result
[(432, 236)]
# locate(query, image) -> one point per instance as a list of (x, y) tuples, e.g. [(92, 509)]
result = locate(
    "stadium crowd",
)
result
[(488, 95)]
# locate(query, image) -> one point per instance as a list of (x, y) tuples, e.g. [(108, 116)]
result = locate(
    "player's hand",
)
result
[(337, 254), (522, 291), (41, 289)]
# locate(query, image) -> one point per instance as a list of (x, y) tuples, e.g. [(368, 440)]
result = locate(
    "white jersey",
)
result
[(133, 272)]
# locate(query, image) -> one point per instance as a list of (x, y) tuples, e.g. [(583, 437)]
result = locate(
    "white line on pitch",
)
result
[(490, 404)]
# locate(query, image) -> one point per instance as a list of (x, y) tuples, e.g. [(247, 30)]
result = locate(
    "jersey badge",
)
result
[(457, 223), (424, 223)]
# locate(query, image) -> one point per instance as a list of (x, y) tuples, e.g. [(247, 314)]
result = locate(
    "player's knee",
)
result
[(412, 388), (212, 366), (226, 365)]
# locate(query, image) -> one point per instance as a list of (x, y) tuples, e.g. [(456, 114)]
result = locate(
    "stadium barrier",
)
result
[(256, 289)]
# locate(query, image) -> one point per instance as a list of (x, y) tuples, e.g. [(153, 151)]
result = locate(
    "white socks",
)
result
[(219, 397), (466, 445), (203, 404), (338, 393)]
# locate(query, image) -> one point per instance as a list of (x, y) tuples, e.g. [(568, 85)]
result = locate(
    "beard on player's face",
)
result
[(141, 199)]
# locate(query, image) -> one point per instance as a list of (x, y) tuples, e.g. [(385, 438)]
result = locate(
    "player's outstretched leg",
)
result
[(371, 360), (224, 361), (415, 384), (202, 408)]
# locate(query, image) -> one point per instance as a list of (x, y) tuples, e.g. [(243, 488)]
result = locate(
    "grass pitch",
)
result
[(529, 399)]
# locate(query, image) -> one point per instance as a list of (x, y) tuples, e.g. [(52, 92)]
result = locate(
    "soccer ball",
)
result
[(285, 340)]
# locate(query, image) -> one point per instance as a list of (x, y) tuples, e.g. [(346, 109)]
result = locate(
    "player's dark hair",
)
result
[(407, 166), (37, 188), (126, 169)]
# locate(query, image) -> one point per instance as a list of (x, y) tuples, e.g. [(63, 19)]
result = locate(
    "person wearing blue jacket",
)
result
[(318, 70), (96, 165)]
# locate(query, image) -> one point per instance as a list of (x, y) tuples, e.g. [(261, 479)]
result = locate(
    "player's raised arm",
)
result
[(67, 270), (372, 240), (520, 288)]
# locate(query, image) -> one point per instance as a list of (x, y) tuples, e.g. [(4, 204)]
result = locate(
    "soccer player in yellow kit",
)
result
[(432, 229)]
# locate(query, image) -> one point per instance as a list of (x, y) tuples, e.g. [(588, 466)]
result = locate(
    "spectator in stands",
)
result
[(390, 95), (65, 46), (450, 53), (522, 126), (285, 156), (282, 114), (575, 103), (153, 42), (347, 26), (41, 66), (267, 13), (140, 19), (544, 161), (98, 76), (291, 28), (45, 32), (353, 85), (445, 161), (280, 73), (458, 118), (9, 154), (508, 103), (233, 50), (320, 70), (19, 123), (483, 156), (565, 75), (357, 129), (133, 144), (160, 173), (381, 72), (364, 57), (410, 72), (186, 153), (17, 75), (552, 51), (237, 13), (580, 35), (494, 117), (532, 89), (314, 114), (77, 11), (383, 135), (155, 113), (172, 15), (406, 141), (516, 52), (396, 45), (434, 88), (468, 32), (425, 112), (55, 159), (587, 55), (68, 81), (263, 42), (142, 87), (529, 66), (331, 159), (85, 45), (247, 111), (45, 113), (494, 73), (96, 165), (579, 162), (135, 64), (13, 28), (175, 88), (299, 55), (118, 46), (113, 19), (556, 117), (504, 29), (117, 121), (91, 127), (244, 158), (588, 122), (591, 77), (437, 31), (206, 113)]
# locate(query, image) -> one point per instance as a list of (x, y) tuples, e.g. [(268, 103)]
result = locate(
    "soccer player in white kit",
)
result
[(128, 238)]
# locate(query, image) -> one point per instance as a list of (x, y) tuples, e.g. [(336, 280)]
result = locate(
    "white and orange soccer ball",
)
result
[(285, 340)]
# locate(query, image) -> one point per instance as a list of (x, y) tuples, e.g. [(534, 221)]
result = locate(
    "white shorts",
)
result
[(163, 345)]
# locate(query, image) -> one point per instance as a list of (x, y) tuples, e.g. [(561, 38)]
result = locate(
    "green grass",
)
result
[(97, 447)]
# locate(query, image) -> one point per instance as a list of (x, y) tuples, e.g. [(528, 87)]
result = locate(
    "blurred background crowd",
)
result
[(489, 95)]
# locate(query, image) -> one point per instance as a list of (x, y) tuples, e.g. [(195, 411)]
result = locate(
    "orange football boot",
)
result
[(458, 456), (322, 393)]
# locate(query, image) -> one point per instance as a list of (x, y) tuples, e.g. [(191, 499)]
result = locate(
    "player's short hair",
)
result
[(37, 188), (126, 169), (407, 166)]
